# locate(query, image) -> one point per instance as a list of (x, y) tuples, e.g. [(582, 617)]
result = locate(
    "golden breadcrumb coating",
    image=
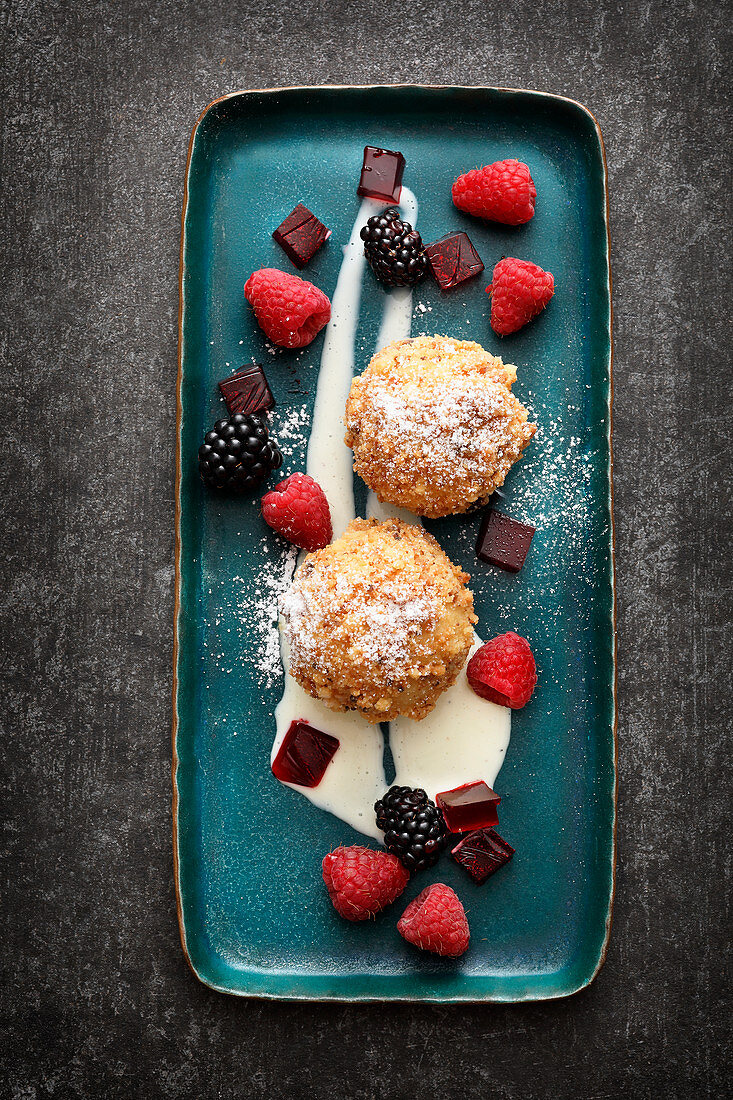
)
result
[(380, 621), (434, 425)]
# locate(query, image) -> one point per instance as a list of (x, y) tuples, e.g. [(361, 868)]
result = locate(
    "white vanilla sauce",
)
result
[(354, 779), (464, 738)]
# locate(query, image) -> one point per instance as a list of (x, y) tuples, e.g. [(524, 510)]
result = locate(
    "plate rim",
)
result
[(378, 998)]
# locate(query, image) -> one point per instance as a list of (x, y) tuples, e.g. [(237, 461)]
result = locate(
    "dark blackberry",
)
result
[(238, 454), (394, 249), (413, 827)]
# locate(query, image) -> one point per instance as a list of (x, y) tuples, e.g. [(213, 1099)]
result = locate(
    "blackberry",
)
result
[(238, 454), (394, 249), (413, 827)]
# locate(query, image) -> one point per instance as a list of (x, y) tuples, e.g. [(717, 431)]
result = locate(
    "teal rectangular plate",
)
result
[(255, 919)]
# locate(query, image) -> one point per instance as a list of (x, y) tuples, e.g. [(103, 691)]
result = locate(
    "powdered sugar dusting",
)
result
[(454, 428), (384, 625), (290, 427), (256, 614), (554, 492), (250, 603)]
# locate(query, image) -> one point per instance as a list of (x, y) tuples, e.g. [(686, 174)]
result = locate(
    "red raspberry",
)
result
[(290, 311), (503, 671), (435, 921), (298, 510), (500, 192), (519, 291), (360, 881)]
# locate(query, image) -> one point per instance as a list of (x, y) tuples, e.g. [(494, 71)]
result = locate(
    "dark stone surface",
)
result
[(98, 101)]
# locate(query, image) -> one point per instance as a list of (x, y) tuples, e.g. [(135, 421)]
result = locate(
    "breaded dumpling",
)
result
[(434, 425), (379, 622)]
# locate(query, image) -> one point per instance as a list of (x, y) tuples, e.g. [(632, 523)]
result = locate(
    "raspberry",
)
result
[(500, 192), (503, 671), (360, 881), (435, 921), (298, 510), (290, 311), (519, 291)]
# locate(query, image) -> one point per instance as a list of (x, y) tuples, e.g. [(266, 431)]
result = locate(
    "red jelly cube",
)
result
[(482, 853), (381, 174), (453, 259), (247, 391), (301, 235), (304, 755), (503, 541), (471, 806)]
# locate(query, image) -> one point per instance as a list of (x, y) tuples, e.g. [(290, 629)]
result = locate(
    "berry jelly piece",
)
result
[(247, 391), (304, 755), (503, 541), (381, 174), (453, 259), (301, 235), (481, 853), (472, 806)]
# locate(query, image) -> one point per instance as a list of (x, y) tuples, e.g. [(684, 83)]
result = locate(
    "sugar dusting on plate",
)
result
[(256, 613), (290, 427)]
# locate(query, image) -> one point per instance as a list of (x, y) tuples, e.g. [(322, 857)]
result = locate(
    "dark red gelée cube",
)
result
[(381, 174), (482, 853), (247, 391), (453, 259), (304, 755), (301, 235), (472, 806), (503, 541)]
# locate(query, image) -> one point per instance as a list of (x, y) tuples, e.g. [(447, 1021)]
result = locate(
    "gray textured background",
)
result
[(97, 103)]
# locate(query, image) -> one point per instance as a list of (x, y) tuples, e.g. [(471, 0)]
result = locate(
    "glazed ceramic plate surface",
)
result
[(255, 918)]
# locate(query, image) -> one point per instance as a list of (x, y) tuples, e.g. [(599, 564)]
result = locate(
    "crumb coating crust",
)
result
[(434, 426), (378, 622)]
